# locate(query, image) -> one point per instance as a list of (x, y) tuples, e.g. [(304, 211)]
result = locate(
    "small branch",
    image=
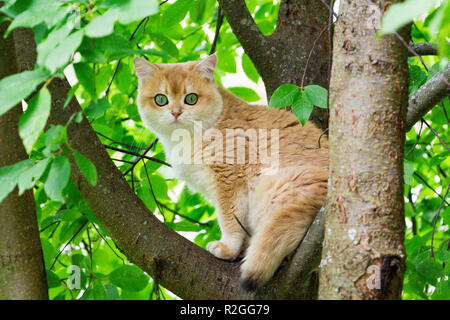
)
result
[(310, 54), (137, 155), (430, 187), (426, 97), (424, 48), (65, 246), (120, 143), (243, 25), (418, 139), (218, 25), (436, 219), (318, 142), (436, 134), (140, 157), (181, 215), (116, 69)]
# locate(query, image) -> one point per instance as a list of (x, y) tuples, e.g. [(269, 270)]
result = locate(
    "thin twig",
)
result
[(310, 54), (436, 134), (417, 141), (445, 112), (413, 217), (116, 69), (137, 155), (216, 35), (430, 187), (436, 219), (107, 243), (120, 143), (318, 142), (181, 215), (71, 239), (141, 156), (151, 190)]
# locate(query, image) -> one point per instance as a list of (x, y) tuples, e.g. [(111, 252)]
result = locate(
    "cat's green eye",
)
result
[(191, 99), (161, 100)]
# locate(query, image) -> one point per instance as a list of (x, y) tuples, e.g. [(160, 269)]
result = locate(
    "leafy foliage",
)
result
[(95, 42), (301, 100)]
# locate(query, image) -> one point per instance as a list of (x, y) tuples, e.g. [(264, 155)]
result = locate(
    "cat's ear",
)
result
[(144, 69), (207, 66)]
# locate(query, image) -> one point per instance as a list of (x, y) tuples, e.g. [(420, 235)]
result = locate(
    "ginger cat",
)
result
[(264, 208)]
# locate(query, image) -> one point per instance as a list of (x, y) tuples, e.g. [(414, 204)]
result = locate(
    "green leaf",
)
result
[(28, 178), (87, 167), (145, 193), (408, 171), (9, 176), (284, 96), (68, 215), (317, 95), (56, 36), (96, 109), (53, 139), (86, 76), (114, 42), (175, 13), (165, 44), (429, 268), (33, 120), (226, 61), (245, 93), (18, 86), (133, 10), (302, 107), (399, 14), (124, 12), (57, 178), (111, 292), (102, 25), (129, 278), (53, 279), (60, 55), (249, 68), (35, 12)]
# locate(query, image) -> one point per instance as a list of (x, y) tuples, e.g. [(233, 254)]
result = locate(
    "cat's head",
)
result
[(173, 96)]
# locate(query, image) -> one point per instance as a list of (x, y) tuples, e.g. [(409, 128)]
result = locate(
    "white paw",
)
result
[(221, 250)]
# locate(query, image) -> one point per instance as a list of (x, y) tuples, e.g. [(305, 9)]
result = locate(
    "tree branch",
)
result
[(424, 48), (243, 25), (426, 97)]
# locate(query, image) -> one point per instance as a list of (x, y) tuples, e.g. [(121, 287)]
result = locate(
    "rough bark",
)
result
[(363, 255), (299, 46), (22, 273)]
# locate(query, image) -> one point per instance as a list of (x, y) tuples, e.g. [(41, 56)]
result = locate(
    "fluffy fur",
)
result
[(276, 207)]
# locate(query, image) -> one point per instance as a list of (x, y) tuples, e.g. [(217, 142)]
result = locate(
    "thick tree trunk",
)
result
[(363, 255), (22, 273)]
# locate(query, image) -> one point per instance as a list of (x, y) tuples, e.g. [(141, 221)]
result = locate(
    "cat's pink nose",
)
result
[(176, 114)]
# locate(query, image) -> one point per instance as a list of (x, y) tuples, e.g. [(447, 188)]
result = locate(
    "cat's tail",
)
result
[(279, 236)]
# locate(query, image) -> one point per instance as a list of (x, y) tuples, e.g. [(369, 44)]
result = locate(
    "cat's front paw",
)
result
[(221, 250)]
